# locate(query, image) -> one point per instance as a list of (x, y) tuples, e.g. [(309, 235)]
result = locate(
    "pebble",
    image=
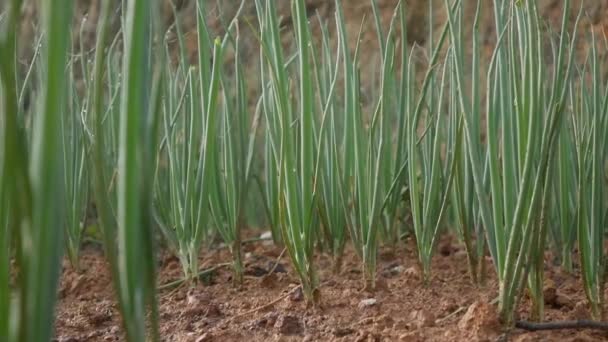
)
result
[(367, 303)]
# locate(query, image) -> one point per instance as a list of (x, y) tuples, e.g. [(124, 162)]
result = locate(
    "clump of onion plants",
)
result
[(524, 113), (232, 164), (185, 170), (291, 138)]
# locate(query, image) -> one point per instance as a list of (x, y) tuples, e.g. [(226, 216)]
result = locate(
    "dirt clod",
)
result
[(550, 292), (297, 295), (268, 320), (289, 325), (480, 321)]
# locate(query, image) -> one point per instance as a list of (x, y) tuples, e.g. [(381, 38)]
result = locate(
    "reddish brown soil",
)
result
[(271, 307)]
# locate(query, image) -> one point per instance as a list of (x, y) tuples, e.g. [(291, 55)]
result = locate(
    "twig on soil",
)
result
[(459, 310), (579, 324), (204, 272), (276, 263), (178, 282), (262, 307), (451, 314)]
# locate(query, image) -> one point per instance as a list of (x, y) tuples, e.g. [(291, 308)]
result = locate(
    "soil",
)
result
[(270, 307)]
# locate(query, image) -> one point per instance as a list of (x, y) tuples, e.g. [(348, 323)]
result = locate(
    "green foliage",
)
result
[(32, 189), (514, 150), (590, 123)]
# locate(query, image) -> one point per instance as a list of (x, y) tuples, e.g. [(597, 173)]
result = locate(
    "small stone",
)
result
[(397, 269), (366, 303), (267, 238), (266, 235)]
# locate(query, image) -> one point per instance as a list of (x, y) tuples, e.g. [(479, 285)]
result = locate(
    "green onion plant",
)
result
[(188, 144), (363, 151), (291, 139), (233, 162), (429, 173), (332, 182), (590, 122), (394, 103), (523, 117), (139, 111), (31, 186), (74, 153)]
